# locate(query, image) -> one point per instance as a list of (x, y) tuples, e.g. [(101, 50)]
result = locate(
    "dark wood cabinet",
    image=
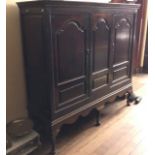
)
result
[(78, 56)]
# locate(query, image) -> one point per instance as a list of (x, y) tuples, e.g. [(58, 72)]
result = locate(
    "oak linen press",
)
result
[(78, 55)]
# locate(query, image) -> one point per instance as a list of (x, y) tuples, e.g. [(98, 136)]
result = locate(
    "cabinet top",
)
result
[(77, 3)]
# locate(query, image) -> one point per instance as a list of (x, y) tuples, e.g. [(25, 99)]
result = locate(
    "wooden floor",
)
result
[(123, 130)]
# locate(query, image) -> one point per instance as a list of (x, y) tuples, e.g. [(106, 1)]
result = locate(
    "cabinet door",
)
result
[(122, 48), (101, 32), (70, 59)]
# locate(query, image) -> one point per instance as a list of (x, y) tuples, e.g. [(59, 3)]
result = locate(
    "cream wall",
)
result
[(15, 82)]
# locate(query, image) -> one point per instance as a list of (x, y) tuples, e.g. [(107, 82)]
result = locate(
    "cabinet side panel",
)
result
[(36, 63)]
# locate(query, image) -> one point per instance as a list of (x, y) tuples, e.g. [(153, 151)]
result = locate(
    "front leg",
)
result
[(131, 97), (53, 152), (52, 143), (97, 113)]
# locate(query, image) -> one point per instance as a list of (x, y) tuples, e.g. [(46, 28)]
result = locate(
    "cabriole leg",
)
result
[(97, 118), (131, 97), (53, 144)]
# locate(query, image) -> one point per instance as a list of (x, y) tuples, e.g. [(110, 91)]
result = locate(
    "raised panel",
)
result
[(122, 40), (120, 73), (99, 82), (101, 36), (70, 43), (72, 93)]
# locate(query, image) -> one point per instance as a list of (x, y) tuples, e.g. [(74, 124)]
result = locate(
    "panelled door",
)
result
[(70, 44), (121, 48), (101, 36)]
